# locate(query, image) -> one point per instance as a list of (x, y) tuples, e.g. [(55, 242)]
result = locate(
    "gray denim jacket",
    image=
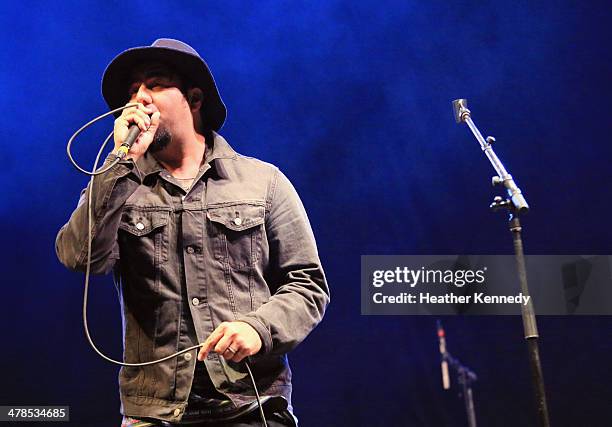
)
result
[(237, 246)]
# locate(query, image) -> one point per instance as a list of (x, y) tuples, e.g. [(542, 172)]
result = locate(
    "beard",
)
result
[(161, 139)]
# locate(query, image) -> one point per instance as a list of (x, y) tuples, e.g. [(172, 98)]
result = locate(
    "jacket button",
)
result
[(140, 226), (177, 412), (187, 356), (238, 221), (195, 301), (190, 249)]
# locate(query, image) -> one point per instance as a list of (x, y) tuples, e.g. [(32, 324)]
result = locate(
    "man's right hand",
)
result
[(147, 124)]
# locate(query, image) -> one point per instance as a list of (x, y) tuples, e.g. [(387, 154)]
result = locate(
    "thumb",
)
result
[(154, 123)]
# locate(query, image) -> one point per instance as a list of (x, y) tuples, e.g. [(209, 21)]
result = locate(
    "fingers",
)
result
[(138, 115), (154, 123), (232, 348), (223, 347), (232, 340), (147, 118), (240, 354), (211, 341)]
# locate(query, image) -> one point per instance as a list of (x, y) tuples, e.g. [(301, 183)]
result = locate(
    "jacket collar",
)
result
[(218, 148)]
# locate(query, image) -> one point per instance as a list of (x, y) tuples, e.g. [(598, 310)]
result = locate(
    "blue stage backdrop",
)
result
[(352, 100)]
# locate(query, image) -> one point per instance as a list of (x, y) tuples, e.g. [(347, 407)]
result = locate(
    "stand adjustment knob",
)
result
[(500, 203)]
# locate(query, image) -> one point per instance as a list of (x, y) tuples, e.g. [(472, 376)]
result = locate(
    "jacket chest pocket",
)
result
[(237, 232), (144, 239)]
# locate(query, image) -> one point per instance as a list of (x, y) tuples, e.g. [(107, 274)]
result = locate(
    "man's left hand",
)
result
[(232, 340)]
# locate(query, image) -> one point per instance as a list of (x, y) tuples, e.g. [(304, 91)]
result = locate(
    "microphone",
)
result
[(461, 110), (443, 363), (133, 133)]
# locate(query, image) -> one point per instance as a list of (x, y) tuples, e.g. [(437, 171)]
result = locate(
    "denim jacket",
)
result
[(237, 246)]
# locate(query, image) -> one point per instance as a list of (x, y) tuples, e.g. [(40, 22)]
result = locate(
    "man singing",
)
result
[(206, 246)]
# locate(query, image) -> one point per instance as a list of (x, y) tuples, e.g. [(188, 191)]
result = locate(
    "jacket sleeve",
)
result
[(294, 274), (111, 190)]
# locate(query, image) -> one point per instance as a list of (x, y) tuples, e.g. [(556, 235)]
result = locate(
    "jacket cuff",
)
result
[(262, 330), (124, 167)]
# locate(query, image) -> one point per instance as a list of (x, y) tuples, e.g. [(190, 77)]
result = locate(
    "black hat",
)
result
[(183, 58)]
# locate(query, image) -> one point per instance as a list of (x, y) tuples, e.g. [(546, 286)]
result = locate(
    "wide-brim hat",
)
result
[(183, 59)]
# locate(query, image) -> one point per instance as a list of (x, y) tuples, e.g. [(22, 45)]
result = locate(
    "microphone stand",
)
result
[(465, 377), (516, 205), (464, 374)]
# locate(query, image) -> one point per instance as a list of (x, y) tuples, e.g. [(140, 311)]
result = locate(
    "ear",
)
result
[(194, 98)]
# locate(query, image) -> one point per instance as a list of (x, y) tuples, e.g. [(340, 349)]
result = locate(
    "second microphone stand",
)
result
[(464, 374)]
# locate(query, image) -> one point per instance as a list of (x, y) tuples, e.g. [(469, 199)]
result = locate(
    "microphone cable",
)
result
[(93, 173)]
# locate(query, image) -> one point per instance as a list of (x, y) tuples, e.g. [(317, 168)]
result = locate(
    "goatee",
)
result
[(162, 138)]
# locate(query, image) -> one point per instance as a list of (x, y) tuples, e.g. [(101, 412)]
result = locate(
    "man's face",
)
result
[(156, 86)]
